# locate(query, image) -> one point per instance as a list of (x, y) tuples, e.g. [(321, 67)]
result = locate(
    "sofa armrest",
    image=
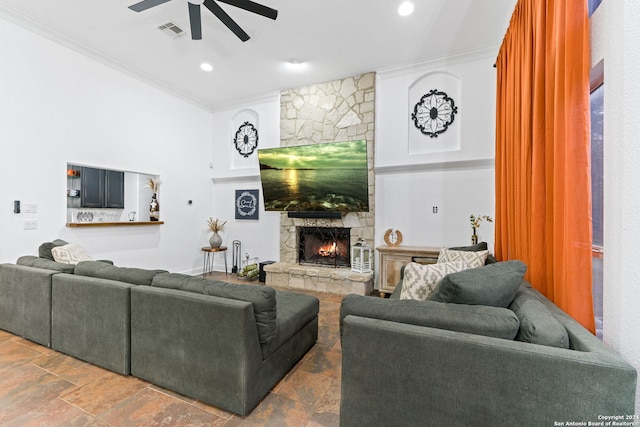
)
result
[(202, 346), (428, 376), (90, 320), (25, 302)]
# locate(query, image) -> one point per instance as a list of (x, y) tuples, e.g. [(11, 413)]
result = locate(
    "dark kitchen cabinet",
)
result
[(114, 189), (101, 188)]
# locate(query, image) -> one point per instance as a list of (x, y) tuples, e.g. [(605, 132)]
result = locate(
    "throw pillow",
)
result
[(482, 246), (420, 280), (70, 254), (44, 251), (537, 324), (494, 285), (473, 259)]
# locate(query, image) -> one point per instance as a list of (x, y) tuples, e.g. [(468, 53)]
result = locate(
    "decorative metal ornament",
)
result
[(434, 113), (246, 139)]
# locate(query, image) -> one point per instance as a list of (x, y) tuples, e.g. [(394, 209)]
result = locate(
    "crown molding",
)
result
[(38, 28)]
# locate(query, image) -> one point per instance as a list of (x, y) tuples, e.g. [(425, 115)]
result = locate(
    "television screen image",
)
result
[(330, 177)]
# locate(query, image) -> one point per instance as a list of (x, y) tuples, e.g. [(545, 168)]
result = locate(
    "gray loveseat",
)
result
[(224, 344), (434, 363)]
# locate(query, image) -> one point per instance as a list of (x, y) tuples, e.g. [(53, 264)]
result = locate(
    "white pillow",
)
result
[(474, 259), (420, 280), (70, 254)]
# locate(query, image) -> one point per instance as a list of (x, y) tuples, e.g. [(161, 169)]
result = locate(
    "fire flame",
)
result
[(328, 250)]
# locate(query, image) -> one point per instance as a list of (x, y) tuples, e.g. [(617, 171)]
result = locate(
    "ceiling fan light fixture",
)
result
[(406, 8)]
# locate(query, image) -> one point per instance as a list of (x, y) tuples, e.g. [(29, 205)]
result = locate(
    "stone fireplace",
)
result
[(340, 110), (324, 246)]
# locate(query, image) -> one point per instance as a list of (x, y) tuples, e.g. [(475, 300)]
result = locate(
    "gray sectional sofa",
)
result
[(484, 361), (224, 344)]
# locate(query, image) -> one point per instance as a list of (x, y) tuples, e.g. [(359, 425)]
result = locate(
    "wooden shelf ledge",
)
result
[(113, 224)]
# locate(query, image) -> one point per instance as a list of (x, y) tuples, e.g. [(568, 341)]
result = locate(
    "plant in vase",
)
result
[(215, 225), (475, 223), (154, 205)]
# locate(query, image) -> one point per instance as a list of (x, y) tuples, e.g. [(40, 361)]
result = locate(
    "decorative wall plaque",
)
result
[(246, 139), (393, 237), (247, 204), (434, 113)]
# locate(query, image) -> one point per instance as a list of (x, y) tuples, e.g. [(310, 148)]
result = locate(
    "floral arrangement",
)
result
[(216, 225), (476, 220), (153, 184)]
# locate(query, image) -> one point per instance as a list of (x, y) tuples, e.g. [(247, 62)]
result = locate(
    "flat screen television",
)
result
[(326, 177)]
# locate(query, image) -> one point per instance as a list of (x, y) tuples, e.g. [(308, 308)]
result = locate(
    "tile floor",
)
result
[(41, 387)]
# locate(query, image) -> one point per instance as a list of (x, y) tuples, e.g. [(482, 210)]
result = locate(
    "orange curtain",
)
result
[(543, 184)]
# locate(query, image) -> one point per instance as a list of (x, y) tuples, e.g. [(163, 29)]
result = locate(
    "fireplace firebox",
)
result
[(324, 246)]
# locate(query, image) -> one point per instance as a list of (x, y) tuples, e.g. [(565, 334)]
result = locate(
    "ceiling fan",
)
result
[(196, 21)]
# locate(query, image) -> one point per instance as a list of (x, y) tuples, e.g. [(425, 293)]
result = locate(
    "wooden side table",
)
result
[(209, 254), (393, 258)]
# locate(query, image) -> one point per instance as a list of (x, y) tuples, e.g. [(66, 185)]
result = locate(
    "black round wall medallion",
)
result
[(434, 113), (246, 139)]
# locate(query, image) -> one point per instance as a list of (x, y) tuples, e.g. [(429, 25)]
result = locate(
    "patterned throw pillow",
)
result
[(474, 259), (421, 279), (70, 254)]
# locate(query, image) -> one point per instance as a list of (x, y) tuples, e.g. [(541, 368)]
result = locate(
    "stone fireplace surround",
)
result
[(340, 110)]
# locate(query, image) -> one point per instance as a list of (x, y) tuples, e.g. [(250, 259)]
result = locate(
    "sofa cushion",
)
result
[(37, 262), (419, 280), (263, 298), (537, 324), (102, 270), (474, 319), (494, 285), (295, 311), (473, 258), (482, 246), (44, 251), (70, 253)]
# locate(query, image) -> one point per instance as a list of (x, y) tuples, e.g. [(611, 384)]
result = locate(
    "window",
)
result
[(597, 189), (593, 5)]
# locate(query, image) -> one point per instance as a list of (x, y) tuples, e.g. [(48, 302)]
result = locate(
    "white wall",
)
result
[(457, 176), (230, 172), (59, 106), (616, 40)]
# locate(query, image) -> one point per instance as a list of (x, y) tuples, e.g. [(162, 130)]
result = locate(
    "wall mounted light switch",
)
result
[(30, 208)]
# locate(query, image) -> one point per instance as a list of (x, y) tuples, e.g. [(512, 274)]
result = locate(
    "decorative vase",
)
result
[(215, 240), (154, 209), (474, 239)]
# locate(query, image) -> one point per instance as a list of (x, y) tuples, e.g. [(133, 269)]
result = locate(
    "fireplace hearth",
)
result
[(324, 246)]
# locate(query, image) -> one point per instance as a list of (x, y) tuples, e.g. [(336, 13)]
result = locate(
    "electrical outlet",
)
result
[(30, 208), (435, 209), (31, 225)]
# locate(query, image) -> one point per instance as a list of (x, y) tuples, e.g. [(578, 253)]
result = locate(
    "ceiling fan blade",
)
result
[(196, 21), (226, 19), (254, 7), (146, 4)]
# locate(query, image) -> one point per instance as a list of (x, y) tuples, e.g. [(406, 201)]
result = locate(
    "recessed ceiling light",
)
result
[(296, 65), (205, 66), (406, 8)]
